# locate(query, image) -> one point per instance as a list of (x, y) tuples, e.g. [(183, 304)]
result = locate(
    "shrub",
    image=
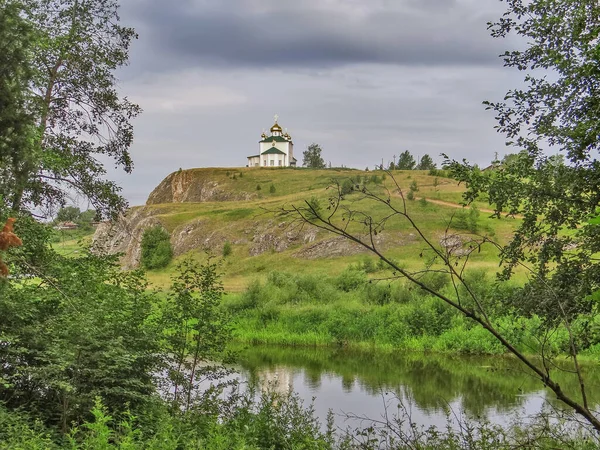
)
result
[(347, 187), (413, 186), (272, 189), (226, 249), (258, 188), (368, 265), (350, 279), (469, 221), (156, 248), (410, 195)]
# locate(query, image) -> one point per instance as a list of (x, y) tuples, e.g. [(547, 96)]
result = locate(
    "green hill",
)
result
[(203, 209)]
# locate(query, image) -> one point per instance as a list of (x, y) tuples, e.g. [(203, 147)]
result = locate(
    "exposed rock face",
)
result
[(194, 235), (125, 236), (338, 246), (278, 238), (192, 186)]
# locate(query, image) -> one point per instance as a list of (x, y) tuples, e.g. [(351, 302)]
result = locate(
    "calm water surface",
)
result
[(432, 388)]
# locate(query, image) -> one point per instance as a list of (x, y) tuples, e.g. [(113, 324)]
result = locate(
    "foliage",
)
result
[(426, 163), (84, 331), (406, 161), (156, 248), (311, 157), (197, 330), (550, 114), (68, 214), (258, 188), (272, 189), (78, 114), (347, 187), (73, 214), (17, 120), (414, 187), (227, 249), (464, 220)]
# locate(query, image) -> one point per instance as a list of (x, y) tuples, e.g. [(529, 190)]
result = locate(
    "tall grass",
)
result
[(350, 310)]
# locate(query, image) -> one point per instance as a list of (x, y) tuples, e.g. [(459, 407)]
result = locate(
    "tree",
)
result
[(79, 114), (426, 163), (405, 161), (17, 122), (85, 330), (199, 330), (68, 214), (312, 158), (156, 248)]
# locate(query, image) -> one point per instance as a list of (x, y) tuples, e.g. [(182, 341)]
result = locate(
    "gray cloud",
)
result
[(313, 33)]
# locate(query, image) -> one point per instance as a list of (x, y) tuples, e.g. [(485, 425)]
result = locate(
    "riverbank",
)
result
[(350, 311)]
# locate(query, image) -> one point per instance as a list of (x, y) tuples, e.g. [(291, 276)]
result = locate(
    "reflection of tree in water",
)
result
[(432, 381)]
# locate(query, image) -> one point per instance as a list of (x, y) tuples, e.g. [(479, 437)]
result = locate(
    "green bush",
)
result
[(227, 249), (156, 248), (468, 221), (272, 189), (347, 187), (350, 280)]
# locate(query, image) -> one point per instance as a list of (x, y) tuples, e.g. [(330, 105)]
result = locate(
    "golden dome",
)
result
[(276, 127)]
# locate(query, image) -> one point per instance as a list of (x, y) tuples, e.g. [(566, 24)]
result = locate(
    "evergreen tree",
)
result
[(426, 163), (405, 161)]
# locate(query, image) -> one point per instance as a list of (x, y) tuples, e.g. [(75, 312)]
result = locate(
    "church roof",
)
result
[(273, 151), (253, 156), (275, 138)]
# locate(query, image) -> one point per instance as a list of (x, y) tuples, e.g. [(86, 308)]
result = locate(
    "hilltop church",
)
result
[(276, 150)]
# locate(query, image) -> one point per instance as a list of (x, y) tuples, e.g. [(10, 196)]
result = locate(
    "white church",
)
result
[(276, 150)]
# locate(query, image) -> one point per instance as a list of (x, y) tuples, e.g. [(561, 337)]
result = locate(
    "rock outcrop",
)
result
[(125, 236), (193, 186)]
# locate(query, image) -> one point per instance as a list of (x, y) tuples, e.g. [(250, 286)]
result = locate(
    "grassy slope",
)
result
[(235, 218)]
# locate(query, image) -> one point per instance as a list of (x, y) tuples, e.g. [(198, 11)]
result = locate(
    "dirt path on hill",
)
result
[(457, 206)]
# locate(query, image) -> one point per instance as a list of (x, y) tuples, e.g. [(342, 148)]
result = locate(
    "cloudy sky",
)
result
[(365, 79)]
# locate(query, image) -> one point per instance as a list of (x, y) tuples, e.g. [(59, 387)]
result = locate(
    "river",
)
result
[(432, 389)]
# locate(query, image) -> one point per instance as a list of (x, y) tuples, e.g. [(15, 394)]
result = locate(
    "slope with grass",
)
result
[(206, 210)]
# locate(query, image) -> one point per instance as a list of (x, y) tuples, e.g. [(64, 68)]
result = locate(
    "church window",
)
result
[(280, 161), (272, 162)]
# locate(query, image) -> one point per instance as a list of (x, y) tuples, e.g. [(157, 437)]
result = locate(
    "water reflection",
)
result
[(434, 386)]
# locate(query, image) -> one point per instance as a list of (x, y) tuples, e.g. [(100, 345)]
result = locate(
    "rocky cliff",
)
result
[(194, 186)]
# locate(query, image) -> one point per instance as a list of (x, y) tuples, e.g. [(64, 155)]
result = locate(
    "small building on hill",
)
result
[(276, 150)]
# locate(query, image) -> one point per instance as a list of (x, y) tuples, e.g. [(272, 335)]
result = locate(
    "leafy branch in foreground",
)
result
[(348, 219)]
